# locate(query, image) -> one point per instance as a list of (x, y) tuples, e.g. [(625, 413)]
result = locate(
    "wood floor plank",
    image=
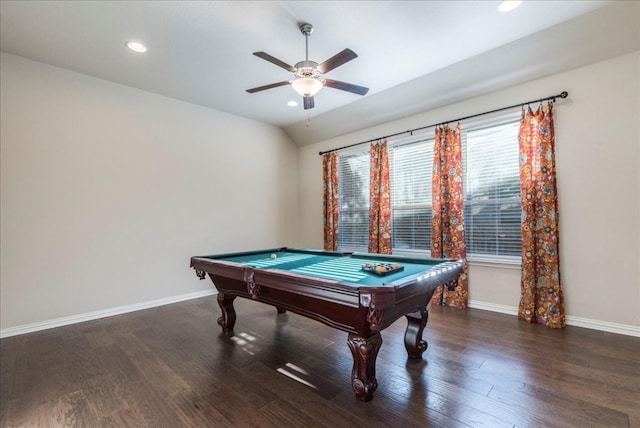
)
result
[(305, 397), (284, 414), (172, 366), (558, 410), (72, 410), (218, 378), (227, 403), (391, 415), (194, 413)]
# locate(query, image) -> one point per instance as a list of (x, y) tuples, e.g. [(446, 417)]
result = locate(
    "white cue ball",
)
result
[(273, 256)]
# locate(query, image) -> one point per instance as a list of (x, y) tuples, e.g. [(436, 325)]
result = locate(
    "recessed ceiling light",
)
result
[(136, 46), (292, 103), (509, 5)]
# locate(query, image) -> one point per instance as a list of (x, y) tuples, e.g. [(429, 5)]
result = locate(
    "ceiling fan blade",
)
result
[(275, 61), (337, 60), (265, 87), (308, 102), (343, 86)]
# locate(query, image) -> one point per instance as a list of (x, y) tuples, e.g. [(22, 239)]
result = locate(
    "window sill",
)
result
[(473, 260)]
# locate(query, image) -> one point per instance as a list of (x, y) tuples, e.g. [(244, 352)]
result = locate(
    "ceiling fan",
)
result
[(308, 74)]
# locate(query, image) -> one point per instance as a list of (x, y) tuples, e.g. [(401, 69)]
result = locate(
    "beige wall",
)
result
[(598, 159), (106, 191)]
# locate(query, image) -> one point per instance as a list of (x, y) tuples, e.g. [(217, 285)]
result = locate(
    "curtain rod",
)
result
[(563, 94)]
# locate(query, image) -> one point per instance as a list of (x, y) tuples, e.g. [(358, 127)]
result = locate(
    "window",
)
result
[(353, 183), (410, 168), (491, 193)]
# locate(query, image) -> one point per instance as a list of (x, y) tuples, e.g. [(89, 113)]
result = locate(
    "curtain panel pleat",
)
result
[(379, 200), (447, 227), (331, 208), (541, 293)]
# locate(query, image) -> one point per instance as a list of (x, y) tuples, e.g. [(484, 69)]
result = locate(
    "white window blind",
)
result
[(353, 182), (492, 191), (491, 194), (410, 168)]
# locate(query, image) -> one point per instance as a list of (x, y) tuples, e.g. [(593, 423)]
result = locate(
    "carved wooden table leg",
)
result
[(413, 342), (228, 318), (363, 375)]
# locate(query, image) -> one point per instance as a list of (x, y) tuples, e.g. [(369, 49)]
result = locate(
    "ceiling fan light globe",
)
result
[(307, 86)]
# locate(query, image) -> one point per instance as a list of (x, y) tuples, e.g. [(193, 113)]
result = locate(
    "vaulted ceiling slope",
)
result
[(413, 55)]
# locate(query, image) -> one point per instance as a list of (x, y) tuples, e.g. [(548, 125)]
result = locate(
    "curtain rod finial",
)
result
[(564, 94)]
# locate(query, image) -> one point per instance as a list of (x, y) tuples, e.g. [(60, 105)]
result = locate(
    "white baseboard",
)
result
[(611, 327), (59, 322), (492, 307)]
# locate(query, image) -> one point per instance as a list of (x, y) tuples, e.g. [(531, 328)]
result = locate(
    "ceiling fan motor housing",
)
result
[(307, 69)]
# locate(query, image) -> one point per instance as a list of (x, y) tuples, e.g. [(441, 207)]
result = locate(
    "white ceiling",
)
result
[(413, 55)]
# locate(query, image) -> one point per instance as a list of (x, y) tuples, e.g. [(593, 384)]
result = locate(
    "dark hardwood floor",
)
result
[(171, 366)]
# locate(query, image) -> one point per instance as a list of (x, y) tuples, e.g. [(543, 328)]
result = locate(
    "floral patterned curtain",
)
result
[(447, 226), (541, 299), (379, 200), (331, 207)]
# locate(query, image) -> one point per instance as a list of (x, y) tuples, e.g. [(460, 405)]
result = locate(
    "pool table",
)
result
[(358, 293)]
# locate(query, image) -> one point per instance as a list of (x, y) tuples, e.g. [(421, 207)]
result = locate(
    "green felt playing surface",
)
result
[(333, 266)]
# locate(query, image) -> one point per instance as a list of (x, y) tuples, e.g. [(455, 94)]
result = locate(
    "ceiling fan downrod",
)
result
[(306, 69), (306, 29)]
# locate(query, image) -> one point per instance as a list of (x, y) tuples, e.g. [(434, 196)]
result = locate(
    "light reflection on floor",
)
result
[(295, 377), (245, 341)]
